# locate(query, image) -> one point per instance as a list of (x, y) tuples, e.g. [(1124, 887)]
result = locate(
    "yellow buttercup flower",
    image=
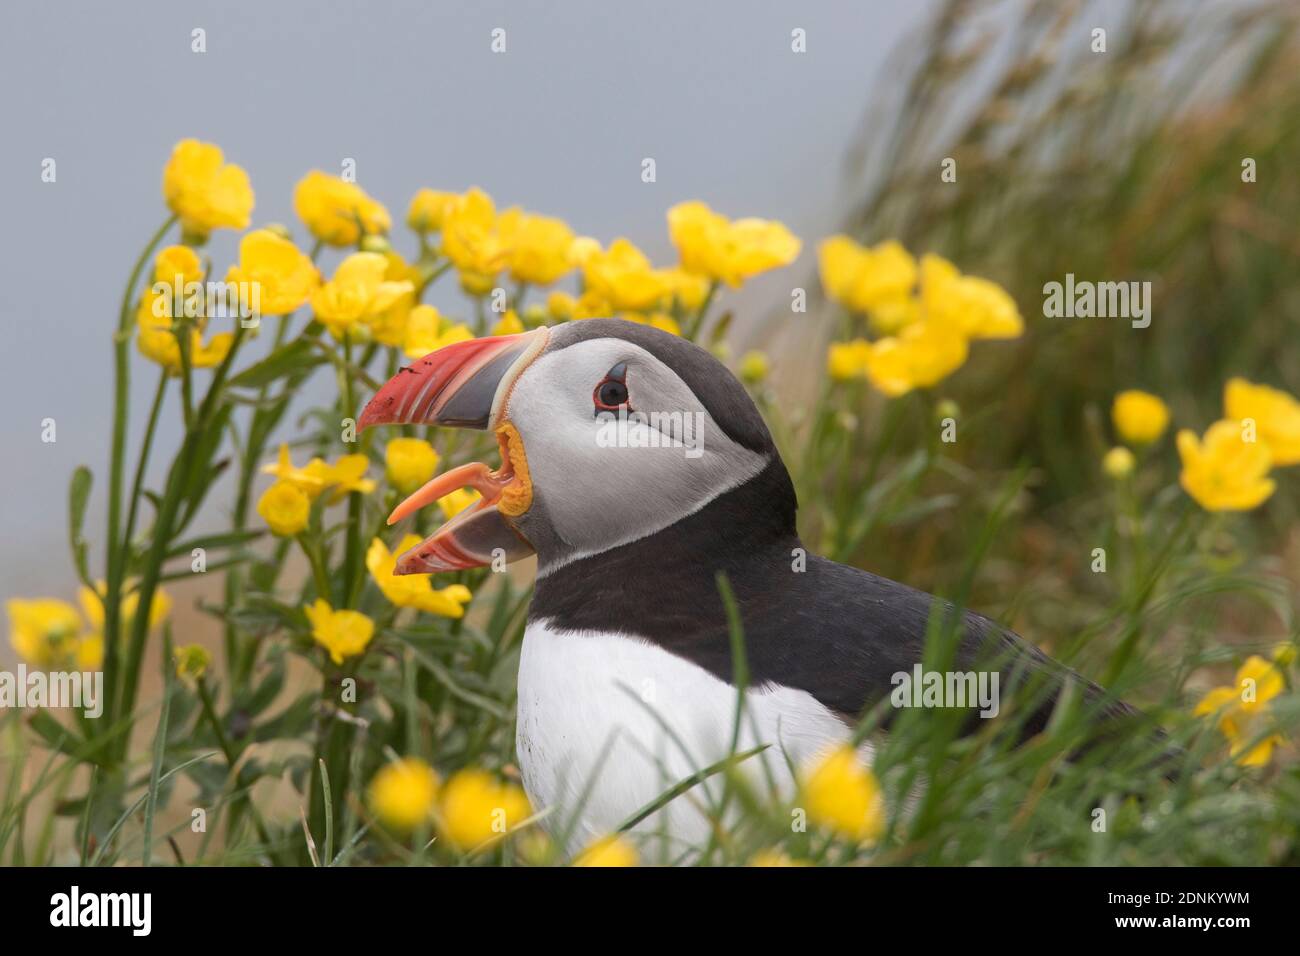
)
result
[(622, 277), (310, 479), (282, 274), (865, 279), (285, 508), (348, 474), (92, 605), (1118, 463), (156, 334), (403, 794), (192, 661), (560, 306), (1241, 710), (841, 794), (427, 331), (204, 191), (45, 632), (1139, 417), (337, 212), (456, 502), (359, 290), (389, 326), (90, 652), (409, 463), (476, 808), (754, 367), (413, 590), (539, 246), (343, 634), (921, 355), (608, 851), (590, 305), (177, 265), (1275, 413), (582, 249), (510, 324), (690, 290), (712, 245), (473, 242), (1222, 472), (978, 308), (428, 209), (892, 316), (157, 342), (846, 361)]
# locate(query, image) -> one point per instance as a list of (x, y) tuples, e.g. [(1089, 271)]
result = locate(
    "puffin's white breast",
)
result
[(594, 742)]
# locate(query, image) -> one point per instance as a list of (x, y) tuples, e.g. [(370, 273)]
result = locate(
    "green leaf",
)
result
[(126, 815), (298, 354), (291, 722), (56, 735), (210, 541), (155, 771), (266, 691)]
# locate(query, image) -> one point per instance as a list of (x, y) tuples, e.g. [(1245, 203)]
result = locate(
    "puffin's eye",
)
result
[(611, 392), (610, 395)]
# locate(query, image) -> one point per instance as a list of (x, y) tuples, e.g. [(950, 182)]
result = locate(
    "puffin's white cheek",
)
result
[(600, 496)]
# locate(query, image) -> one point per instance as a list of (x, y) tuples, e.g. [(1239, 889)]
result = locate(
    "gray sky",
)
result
[(411, 91)]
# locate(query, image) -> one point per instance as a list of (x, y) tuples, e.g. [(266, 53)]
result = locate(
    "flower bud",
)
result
[(1118, 463)]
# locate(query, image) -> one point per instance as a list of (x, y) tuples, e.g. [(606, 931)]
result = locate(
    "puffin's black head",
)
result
[(609, 431)]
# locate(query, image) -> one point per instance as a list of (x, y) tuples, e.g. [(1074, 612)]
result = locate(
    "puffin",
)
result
[(640, 473)]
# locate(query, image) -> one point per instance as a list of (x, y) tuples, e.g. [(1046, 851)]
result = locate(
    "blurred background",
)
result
[(411, 91), (1122, 165)]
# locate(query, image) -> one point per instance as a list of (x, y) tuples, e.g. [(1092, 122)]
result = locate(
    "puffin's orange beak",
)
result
[(465, 385)]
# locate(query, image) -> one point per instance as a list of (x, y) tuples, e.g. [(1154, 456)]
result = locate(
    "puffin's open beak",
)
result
[(465, 385)]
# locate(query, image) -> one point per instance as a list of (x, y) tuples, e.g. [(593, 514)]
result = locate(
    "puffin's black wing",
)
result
[(842, 634)]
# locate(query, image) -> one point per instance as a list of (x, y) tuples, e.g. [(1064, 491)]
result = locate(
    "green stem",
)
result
[(183, 342), (138, 485), (352, 547), (697, 322), (162, 532), (318, 570), (240, 664), (114, 547)]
